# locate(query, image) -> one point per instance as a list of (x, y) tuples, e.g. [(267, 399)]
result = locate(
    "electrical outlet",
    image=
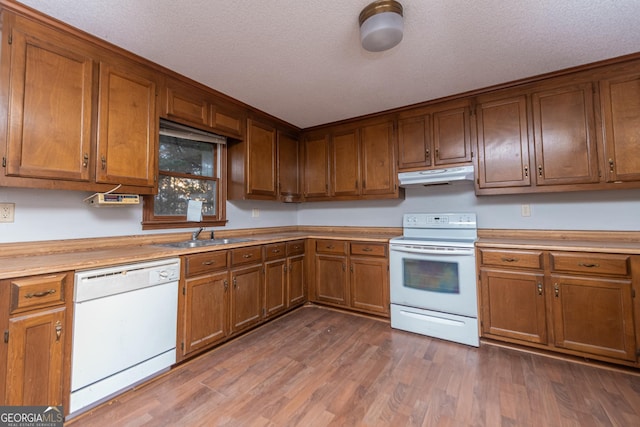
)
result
[(255, 213), (525, 210), (7, 211)]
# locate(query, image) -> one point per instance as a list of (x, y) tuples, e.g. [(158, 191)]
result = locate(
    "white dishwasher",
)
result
[(124, 328)]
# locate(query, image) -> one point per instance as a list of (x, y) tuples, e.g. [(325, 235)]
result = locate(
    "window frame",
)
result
[(152, 222)]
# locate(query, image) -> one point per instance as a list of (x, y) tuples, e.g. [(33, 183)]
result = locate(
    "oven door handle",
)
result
[(417, 250)]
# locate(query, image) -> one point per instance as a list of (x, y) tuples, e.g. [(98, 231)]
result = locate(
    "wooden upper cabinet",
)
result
[(620, 103), (414, 142), (262, 162), (345, 163), (316, 166), (197, 107), (50, 93), (127, 125), (378, 160), (289, 168), (451, 135), (564, 135), (503, 143), (439, 135)]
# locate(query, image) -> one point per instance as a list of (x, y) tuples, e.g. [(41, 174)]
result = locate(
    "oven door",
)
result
[(438, 279)]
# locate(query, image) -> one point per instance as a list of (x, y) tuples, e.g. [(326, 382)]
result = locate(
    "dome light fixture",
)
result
[(381, 25)]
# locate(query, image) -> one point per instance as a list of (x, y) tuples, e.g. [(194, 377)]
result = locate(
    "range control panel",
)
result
[(439, 220)]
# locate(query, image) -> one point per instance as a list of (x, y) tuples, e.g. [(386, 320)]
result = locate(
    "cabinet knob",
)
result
[(526, 171), (539, 288), (611, 169), (226, 285), (58, 330), (539, 170), (428, 152), (103, 160), (85, 160), (556, 290)]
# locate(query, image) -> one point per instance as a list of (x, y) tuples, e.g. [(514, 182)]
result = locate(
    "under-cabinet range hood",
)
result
[(436, 176)]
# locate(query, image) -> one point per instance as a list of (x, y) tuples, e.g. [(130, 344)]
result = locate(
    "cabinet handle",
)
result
[(226, 285), (539, 288), (285, 268), (40, 294), (344, 267), (539, 170), (208, 263), (428, 152), (588, 264), (246, 256), (58, 330), (276, 251), (85, 160), (329, 247), (505, 259), (526, 171), (290, 268), (296, 247), (235, 283), (104, 162), (610, 165), (367, 249), (351, 268), (556, 289), (437, 153)]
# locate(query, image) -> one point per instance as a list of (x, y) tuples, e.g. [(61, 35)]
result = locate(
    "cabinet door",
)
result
[(620, 102), (331, 279), (451, 137), (206, 301), (275, 287), (35, 358), (414, 142), (261, 155), (289, 167), (127, 126), (370, 285), (345, 161), (316, 166), (49, 105), (295, 281), (513, 305), (564, 136), (594, 315), (186, 104), (378, 160), (246, 297), (503, 143)]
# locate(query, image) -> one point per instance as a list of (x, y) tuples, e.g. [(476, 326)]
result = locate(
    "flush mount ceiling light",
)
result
[(381, 25)]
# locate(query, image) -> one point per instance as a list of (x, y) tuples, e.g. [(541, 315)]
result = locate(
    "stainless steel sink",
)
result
[(206, 242)]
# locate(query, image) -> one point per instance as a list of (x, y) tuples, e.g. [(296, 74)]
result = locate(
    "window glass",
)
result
[(184, 156)]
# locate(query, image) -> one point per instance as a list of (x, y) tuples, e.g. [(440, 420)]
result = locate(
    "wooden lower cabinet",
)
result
[(206, 311), (296, 289), (246, 297), (579, 303), (513, 305), (594, 315), (353, 275), (34, 348), (275, 287)]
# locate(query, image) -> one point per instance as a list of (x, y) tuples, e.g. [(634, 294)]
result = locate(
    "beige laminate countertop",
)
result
[(23, 265)]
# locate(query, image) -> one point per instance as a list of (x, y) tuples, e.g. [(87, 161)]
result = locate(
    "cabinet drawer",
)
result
[(205, 262), (331, 247), (580, 262), (37, 291), (295, 248), (511, 258), (240, 256), (275, 251), (369, 249)]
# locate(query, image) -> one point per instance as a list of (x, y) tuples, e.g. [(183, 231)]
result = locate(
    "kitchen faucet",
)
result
[(196, 233)]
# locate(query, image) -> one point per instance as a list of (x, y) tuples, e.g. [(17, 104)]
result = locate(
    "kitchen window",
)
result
[(191, 166)]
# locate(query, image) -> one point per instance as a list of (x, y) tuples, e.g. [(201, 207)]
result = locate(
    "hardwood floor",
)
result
[(318, 367)]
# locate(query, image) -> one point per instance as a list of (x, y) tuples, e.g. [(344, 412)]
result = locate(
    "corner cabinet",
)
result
[(96, 113), (578, 303), (265, 165), (34, 352)]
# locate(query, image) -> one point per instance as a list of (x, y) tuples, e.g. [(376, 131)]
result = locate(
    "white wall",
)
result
[(593, 210), (52, 215)]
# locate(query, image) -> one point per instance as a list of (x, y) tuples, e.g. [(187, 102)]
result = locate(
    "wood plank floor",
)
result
[(319, 367)]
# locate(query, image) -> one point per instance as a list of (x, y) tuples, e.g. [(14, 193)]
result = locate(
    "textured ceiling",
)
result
[(301, 60)]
